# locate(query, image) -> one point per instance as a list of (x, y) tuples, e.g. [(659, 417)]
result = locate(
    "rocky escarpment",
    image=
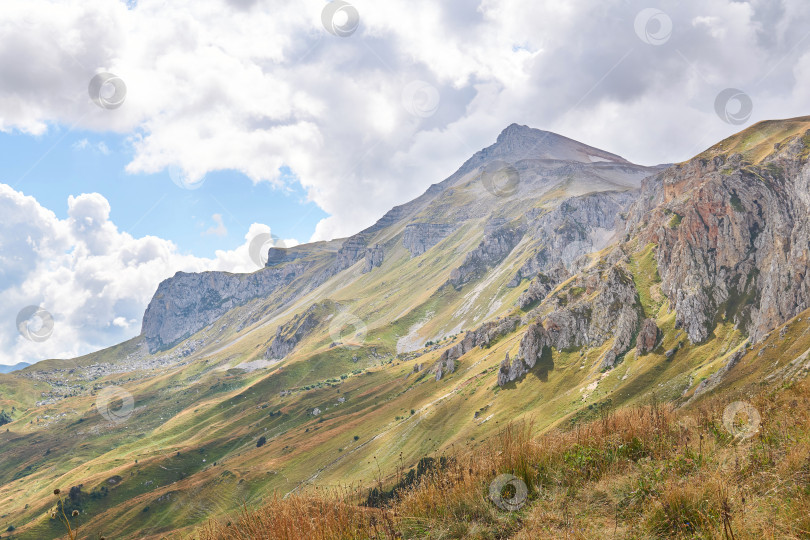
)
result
[(500, 238), (579, 225), (647, 337), (187, 303), (542, 285), (374, 257), (356, 249), (511, 371), (290, 334), (420, 237), (732, 234), (598, 306), (482, 336), (280, 255)]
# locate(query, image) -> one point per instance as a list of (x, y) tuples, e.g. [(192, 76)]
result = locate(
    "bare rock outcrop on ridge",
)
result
[(579, 225), (500, 238), (733, 235), (647, 336), (541, 285), (610, 311), (420, 237)]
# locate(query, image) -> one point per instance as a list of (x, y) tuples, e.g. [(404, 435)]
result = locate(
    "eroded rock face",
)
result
[(291, 333), (374, 257), (480, 337), (280, 255), (580, 225), (503, 371), (541, 285), (647, 336), (187, 303), (587, 320), (733, 238), (353, 250), (500, 238), (510, 372), (420, 237), (447, 365)]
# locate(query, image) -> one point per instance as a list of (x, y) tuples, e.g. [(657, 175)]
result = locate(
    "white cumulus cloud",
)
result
[(92, 278)]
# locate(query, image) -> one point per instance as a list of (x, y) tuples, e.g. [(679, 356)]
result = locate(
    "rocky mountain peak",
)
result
[(518, 142)]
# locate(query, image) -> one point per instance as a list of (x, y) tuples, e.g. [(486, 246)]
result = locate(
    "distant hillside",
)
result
[(15, 367)]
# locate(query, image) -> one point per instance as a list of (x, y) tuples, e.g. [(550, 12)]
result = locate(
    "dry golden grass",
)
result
[(644, 472), (315, 516)]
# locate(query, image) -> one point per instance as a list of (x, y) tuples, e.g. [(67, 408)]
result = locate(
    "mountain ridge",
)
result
[(515, 144)]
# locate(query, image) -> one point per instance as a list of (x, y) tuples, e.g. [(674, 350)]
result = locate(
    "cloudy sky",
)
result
[(226, 119)]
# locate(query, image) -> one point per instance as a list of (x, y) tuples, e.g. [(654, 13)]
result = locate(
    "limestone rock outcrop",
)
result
[(373, 257), (503, 371), (579, 225), (355, 249), (420, 237), (447, 365), (187, 303), (500, 238), (647, 336), (291, 333), (480, 337), (541, 285), (613, 312), (732, 235), (352, 250), (509, 372)]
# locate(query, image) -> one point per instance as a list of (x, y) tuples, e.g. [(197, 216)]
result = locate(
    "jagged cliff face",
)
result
[(420, 237), (600, 305), (186, 303), (291, 333), (733, 233), (578, 226)]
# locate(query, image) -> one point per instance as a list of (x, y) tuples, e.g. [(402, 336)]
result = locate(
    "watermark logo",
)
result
[(182, 179), (741, 419), (108, 91), (115, 404), (348, 330), (508, 492), (724, 106), (653, 26), (500, 178), (420, 99), (340, 18), (35, 324), (266, 249)]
